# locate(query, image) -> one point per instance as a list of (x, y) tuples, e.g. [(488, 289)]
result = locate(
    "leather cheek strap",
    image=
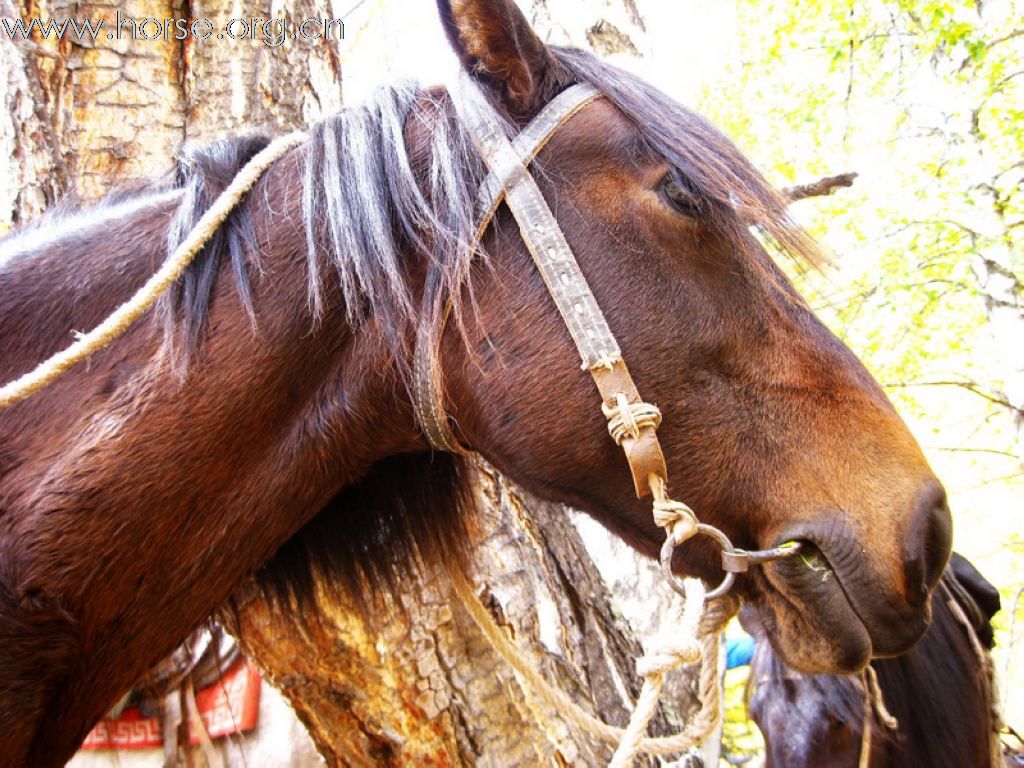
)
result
[(640, 444), (428, 382), (631, 421)]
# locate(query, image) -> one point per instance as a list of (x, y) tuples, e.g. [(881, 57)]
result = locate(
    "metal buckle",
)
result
[(734, 560)]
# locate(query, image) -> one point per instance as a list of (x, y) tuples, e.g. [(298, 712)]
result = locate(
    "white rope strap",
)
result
[(876, 701), (626, 419), (874, 706), (126, 314), (676, 644)]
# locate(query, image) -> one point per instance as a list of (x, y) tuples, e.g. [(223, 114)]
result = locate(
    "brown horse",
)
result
[(939, 692), (270, 412)]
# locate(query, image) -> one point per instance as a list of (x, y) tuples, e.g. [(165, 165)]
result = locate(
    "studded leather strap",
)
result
[(633, 423), (429, 385)]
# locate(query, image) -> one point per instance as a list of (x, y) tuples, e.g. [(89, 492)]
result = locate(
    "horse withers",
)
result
[(267, 427), (940, 694)]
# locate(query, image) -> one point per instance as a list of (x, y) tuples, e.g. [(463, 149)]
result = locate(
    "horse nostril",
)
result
[(928, 542)]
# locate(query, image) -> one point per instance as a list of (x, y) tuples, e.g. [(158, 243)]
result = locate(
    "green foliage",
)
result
[(925, 100), (740, 736)]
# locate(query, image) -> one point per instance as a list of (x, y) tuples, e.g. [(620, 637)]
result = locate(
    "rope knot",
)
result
[(625, 419), (678, 520), (668, 656)]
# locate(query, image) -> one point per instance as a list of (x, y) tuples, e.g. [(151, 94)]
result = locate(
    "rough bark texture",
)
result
[(609, 29), (36, 175), (419, 685), (101, 111), (233, 86)]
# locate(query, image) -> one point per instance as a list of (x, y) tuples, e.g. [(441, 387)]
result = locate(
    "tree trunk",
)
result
[(86, 114), (36, 175), (420, 684)]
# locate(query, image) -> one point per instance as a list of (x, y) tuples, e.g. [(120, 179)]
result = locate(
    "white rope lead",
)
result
[(126, 314), (676, 644)]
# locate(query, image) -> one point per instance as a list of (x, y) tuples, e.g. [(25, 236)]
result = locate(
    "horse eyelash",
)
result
[(678, 196)]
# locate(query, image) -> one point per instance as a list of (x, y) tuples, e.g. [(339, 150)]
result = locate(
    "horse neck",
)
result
[(135, 498), (68, 271), (65, 273)]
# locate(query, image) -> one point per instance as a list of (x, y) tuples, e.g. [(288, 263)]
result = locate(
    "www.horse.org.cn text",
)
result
[(271, 32)]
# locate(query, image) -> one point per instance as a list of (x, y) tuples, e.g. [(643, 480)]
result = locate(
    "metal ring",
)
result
[(678, 584)]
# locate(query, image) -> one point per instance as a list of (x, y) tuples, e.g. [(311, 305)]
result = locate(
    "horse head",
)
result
[(773, 429), (805, 720), (283, 405)]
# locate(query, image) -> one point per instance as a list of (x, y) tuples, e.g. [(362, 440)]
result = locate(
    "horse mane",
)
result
[(409, 507), (202, 173), (936, 688), (413, 508), (367, 199)]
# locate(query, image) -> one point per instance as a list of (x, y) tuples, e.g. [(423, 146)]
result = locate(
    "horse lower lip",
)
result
[(807, 593)]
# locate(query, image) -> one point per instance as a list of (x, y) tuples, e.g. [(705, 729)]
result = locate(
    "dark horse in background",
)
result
[(940, 692), (265, 427)]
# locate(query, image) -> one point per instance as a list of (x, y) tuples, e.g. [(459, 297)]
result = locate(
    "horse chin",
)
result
[(812, 624)]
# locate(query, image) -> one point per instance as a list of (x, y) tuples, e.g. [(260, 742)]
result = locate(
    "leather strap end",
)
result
[(645, 458)]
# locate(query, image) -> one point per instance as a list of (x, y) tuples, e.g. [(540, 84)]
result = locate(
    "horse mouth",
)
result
[(823, 618)]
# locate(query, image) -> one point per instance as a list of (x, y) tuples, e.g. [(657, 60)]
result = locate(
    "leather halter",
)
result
[(632, 422), (510, 180)]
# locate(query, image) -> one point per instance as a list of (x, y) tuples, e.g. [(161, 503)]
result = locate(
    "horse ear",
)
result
[(498, 47), (977, 586)]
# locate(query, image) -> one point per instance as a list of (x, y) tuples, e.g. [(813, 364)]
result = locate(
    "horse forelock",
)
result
[(732, 194)]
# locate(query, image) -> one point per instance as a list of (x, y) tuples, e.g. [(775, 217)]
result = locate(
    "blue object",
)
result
[(738, 651)]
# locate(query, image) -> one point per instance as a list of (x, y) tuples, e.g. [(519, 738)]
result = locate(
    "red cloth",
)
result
[(231, 705)]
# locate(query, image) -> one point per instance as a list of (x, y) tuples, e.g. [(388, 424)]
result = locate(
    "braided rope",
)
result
[(874, 706), (126, 314), (876, 700), (676, 644)]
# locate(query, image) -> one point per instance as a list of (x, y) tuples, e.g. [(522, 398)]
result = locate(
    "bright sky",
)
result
[(403, 38)]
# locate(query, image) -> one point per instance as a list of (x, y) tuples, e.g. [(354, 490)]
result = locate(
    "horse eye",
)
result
[(836, 723), (679, 197)]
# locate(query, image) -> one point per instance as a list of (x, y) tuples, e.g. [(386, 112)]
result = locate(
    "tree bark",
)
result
[(419, 684), (87, 114), (36, 175)]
